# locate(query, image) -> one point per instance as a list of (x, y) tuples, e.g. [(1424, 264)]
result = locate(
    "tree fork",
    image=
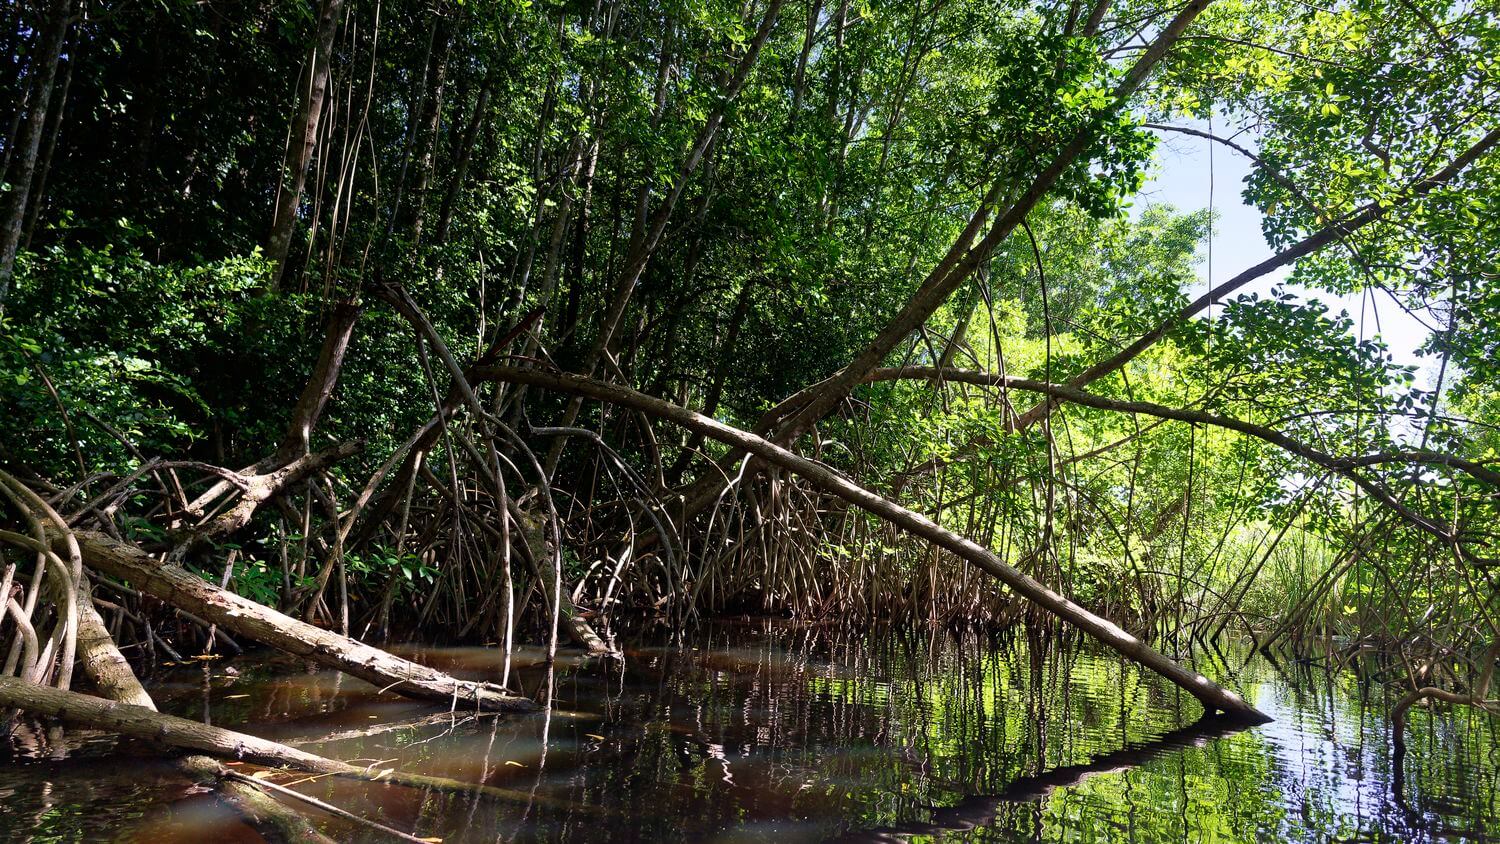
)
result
[(960, 262)]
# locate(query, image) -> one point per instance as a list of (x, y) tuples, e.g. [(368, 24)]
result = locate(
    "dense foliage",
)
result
[(720, 203)]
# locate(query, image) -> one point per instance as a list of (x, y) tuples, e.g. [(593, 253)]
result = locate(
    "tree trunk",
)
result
[(799, 79), (49, 53), (145, 723), (431, 127), (244, 617), (102, 661), (319, 386), (315, 395), (465, 155), (44, 166), (304, 138)]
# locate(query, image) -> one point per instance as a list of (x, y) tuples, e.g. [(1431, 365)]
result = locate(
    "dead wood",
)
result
[(247, 619), (148, 724)]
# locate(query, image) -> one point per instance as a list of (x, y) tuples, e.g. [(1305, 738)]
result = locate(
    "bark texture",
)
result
[(244, 617), (102, 661)]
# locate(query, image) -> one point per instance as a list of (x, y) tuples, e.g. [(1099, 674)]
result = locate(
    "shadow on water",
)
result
[(754, 733)]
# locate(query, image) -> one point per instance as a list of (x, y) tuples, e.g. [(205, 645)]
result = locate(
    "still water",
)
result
[(762, 732)]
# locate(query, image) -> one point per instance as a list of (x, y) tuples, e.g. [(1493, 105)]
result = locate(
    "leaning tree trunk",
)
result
[(38, 191), (318, 389), (1212, 696), (799, 413), (1335, 231), (316, 392), (960, 262)]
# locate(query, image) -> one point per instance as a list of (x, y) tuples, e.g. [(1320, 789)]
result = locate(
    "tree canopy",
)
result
[(906, 239)]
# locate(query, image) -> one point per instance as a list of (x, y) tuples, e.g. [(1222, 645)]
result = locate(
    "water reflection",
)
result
[(745, 734), (979, 812)]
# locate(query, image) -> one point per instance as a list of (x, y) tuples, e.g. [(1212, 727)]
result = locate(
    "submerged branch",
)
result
[(145, 723)]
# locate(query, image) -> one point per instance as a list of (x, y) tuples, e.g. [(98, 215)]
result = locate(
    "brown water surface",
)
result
[(769, 733)]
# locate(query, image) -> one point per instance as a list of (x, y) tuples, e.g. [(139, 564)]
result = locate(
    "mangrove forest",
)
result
[(749, 420)]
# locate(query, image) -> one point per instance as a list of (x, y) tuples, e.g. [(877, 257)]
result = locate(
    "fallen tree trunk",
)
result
[(1212, 696), (103, 663), (243, 617), (116, 683), (275, 822), (148, 724)]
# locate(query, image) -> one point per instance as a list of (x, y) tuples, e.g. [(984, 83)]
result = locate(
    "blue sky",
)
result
[(1184, 168)]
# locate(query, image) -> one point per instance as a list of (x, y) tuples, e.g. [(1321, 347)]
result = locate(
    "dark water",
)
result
[(751, 734)]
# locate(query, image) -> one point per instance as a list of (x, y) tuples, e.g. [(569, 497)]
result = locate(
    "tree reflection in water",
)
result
[(752, 733)]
